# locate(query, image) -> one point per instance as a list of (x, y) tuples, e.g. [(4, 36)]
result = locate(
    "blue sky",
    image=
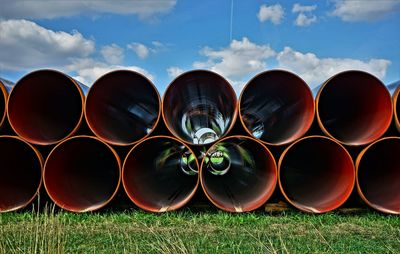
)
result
[(162, 38)]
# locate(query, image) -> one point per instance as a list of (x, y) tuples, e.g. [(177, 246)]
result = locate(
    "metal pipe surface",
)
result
[(238, 174), (81, 174), (45, 107), (276, 107), (316, 174), (199, 107), (5, 87), (354, 107), (396, 104), (160, 174), (378, 175), (122, 107), (20, 173)]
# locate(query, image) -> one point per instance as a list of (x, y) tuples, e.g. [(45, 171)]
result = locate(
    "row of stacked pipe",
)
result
[(86, 145)]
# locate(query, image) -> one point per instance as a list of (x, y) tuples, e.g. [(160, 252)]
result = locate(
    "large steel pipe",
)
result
[(316, 174), (199, 107), (5, 87), (396, 104), (276, 107), (160, 174), (20, 173), (354, 108), (45, 107), (238, 174), (378, 175), (82, 174), (122, 107)]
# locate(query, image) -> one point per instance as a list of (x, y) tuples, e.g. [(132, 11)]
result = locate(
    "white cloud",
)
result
[(241, 58), (303, 8), (112, 54), (88, 70), (316, 70), (304, 20), (350, 10), (143, 51), (52, 9), (25, 45), (174, 71), (273, 13)]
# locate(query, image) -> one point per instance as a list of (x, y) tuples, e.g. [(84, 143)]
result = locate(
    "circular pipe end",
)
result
[(45, 107), (276, 107), (378, 175), (238, 174), (20, 173), (199, 107), (316, 174), (122, 107), (160, 174), (396, 107), (3, 103), (354, 108), (82, 174)]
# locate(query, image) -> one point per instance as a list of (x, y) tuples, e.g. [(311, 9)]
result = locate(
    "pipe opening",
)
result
[(316, 174), (378, 175), (354, 107), (277, 107), (238, 174), (122, 107), (199, 107), (45, 107), (20, 173), (160, 174), (82, 174), (3, 101)]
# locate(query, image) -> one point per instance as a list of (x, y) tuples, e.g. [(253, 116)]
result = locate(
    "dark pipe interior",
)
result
[(81, 174), (45, 106), (238, 174), (20, 173), (379, 175), (156, 175), (355, 107), (316, 174), (277, 107), (199, 107), (122, 107)]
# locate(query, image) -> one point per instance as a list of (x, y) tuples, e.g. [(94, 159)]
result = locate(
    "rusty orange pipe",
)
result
[(316, 174), (45, 107), (396, 104), (199, 107), (238, 174), (20, 173), (122, 107), (160, 174), (276, 107), (82, 173), (378, 175), (5, 87), (354, 107)]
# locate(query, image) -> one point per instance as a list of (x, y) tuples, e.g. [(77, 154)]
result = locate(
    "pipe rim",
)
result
[(359, 190), (72, 132), (120, 143), (82, 210), (292, 139), (41, 162), (5, 96), (321, 125), (272, 160), (395, 114), (280, 181), (134, 200), (234, 116)]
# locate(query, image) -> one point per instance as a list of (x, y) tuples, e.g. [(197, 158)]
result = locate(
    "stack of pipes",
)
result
[(85, 145)]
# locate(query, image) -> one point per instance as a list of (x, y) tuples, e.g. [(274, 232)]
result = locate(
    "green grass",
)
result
[(188, 231)]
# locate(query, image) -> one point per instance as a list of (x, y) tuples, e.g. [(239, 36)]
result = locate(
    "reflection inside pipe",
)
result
[(238, 174), (199, 107), (160, 174)]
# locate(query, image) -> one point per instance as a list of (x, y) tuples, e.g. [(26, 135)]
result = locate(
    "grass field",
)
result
[(187, 231)]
